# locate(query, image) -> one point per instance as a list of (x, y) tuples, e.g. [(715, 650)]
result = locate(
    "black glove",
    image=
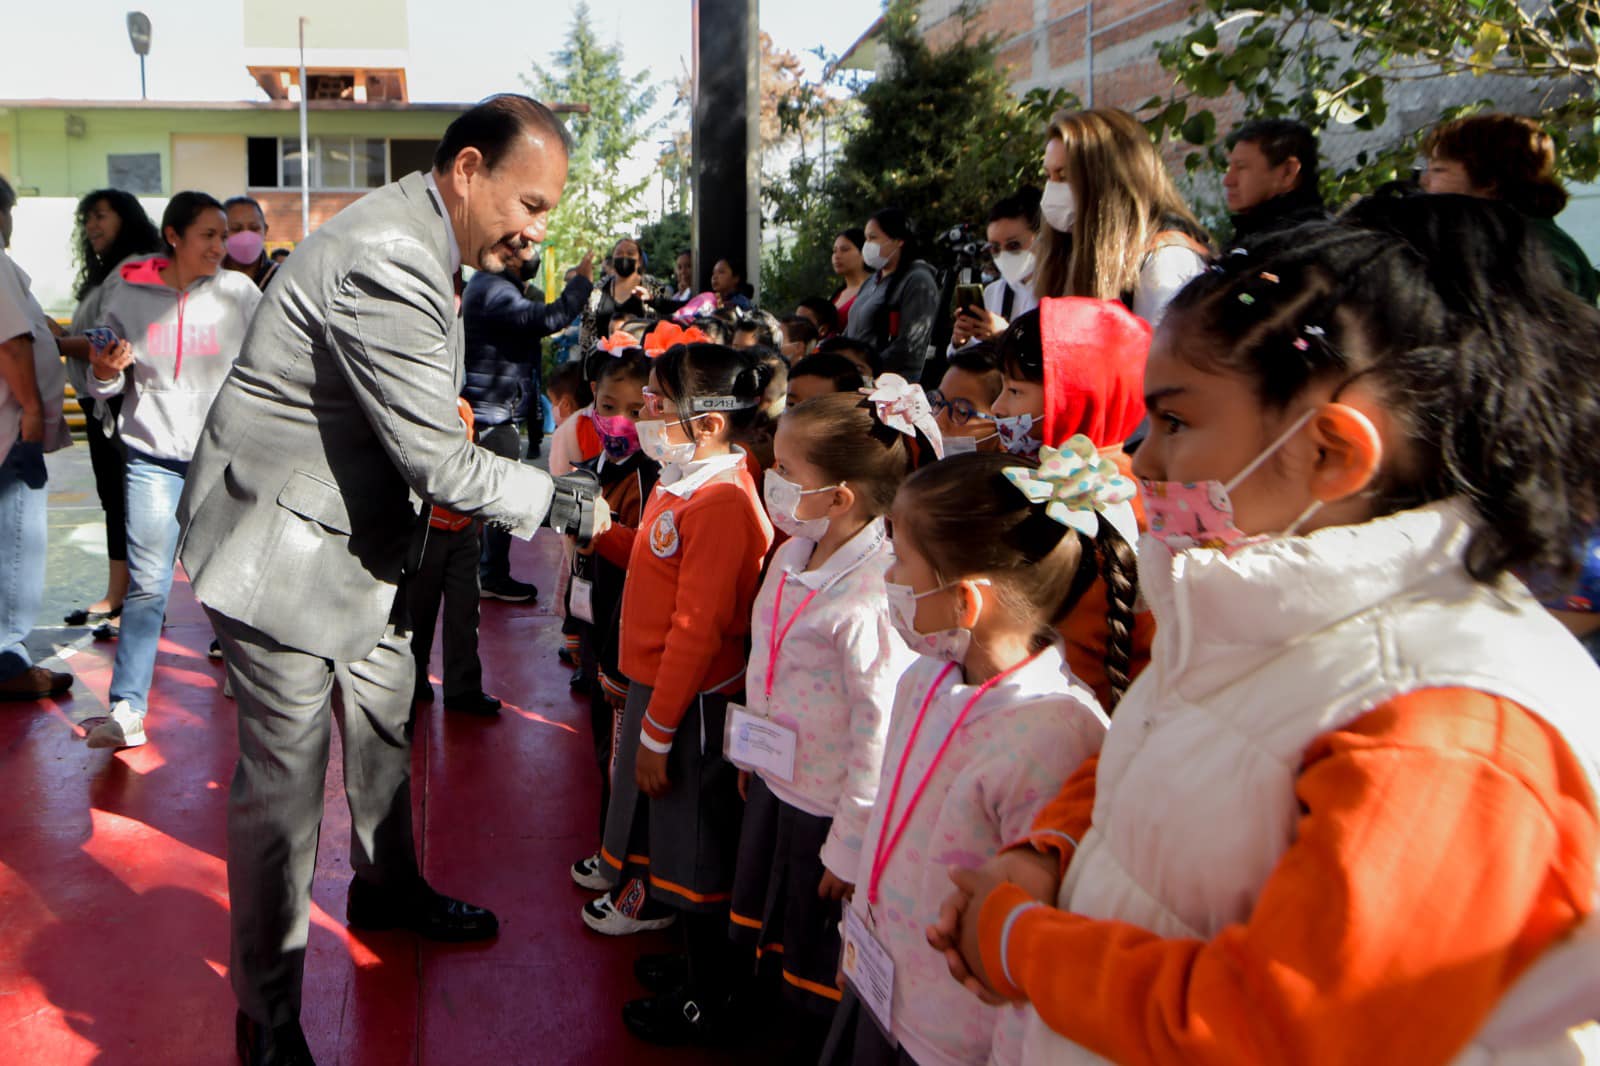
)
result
[(31, 471), (572, 505)]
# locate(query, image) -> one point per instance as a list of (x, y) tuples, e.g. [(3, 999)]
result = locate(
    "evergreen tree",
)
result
[(599, 206)]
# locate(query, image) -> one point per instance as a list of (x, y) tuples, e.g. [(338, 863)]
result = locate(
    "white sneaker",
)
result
[(589, 873), (602, 916), (123, 728)]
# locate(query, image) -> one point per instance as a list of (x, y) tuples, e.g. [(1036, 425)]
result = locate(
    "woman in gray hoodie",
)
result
[(180, 320)]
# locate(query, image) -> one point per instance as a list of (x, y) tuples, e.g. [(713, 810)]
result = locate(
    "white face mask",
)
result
[(1016, 267), (783, 497), (1059, 206), (873, 255), (963, 445), (949, 644), (653, 442)]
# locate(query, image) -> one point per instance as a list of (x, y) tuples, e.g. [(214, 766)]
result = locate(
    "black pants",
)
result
[(503, 440), (448, 572), (110, 463)]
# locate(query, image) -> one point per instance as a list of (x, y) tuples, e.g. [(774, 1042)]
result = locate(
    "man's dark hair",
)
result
[(827, 314), (1279, 139), (492, 126), (1023, 204), (8, 196)]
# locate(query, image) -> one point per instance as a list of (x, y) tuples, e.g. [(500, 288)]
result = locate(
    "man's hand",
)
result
[(650, 773), (586, 265), (110, 361)]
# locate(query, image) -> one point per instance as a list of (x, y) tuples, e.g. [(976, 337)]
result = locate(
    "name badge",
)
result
[(754, 743), (869, 968), (580, 599)]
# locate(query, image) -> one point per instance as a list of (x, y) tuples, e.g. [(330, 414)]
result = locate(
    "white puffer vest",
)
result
[(1258, 655)]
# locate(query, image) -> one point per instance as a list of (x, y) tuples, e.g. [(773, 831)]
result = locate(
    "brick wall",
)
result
[(283, 210)]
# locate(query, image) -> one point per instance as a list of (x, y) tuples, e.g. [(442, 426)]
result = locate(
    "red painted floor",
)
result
[(113, 893)]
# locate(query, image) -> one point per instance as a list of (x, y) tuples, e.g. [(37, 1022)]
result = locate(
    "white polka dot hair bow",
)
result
[(1075, 484)]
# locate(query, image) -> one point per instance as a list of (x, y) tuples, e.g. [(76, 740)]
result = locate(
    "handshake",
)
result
[(572, 506)]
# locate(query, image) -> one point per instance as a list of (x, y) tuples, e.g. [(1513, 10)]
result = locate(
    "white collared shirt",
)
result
[(682, 481), (449, 226)]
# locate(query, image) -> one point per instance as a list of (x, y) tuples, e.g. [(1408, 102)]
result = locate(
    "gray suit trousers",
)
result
[(275, 806)]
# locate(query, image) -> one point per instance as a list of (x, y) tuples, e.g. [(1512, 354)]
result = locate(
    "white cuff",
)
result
[(653, 744)]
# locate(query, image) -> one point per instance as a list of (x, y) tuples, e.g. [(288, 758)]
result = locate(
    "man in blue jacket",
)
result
[(503, 331)]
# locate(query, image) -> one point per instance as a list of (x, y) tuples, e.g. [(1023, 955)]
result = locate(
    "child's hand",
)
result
[(955, 934), (833, 888), (650, 773)]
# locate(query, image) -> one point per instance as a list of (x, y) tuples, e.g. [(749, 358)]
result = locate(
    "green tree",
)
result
[(598, 205), (939, 135), (1341, 62), (663, 239)]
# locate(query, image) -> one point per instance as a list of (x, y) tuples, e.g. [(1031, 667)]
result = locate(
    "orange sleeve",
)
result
[(1448, 838), (615, 545), (1059, 827), (723, 546)]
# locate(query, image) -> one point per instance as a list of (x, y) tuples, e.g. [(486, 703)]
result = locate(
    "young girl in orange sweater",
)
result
[(693, 567), (1349, 812)]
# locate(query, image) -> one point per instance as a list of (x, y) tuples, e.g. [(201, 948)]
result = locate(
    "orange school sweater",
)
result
[(1447, 838), (693, 568)]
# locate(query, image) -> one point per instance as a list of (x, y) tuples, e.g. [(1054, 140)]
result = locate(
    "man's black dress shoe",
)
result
[(674, 1018), (284, 1045), (484, 706), (421, 910), (661, 973)]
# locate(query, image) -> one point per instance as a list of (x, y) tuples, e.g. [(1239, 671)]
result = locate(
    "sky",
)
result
[(461, 50)]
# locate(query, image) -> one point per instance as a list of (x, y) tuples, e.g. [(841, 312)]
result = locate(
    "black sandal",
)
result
[(83, 616)]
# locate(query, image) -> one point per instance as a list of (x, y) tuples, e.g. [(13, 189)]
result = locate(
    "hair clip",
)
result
[(1302, 344), (1074, 484), (1246, 299), (1316, 331), (1271, 279)]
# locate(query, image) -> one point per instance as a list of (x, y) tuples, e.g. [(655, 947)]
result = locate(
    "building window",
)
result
[(407, 157), (137, 172), (337, 164)]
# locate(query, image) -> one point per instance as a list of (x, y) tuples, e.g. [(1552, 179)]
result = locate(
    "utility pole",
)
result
[(305, 143)]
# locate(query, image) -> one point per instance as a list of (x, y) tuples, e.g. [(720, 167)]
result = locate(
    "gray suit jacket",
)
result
[(297, 514)]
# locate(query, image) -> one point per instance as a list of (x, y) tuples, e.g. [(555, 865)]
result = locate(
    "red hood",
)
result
[(145, 271), (1094, 356)]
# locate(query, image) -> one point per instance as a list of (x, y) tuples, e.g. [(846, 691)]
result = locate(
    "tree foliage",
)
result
[(938, 134), (598, 205), (1333, 63)]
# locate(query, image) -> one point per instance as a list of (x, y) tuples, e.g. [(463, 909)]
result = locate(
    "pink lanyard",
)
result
[(777, 637), (888, 841)]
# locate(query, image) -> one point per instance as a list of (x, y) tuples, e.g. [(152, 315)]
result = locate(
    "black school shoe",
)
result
[(429, 914), (257, 1045), (673, 1018)]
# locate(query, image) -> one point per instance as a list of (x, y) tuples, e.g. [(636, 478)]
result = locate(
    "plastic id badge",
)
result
[(580, 599), (754, 743), (870, 971)]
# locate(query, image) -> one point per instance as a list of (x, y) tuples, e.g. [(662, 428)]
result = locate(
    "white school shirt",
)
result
[(835, 680)]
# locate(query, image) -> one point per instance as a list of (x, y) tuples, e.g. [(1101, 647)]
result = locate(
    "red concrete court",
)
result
[(113, 894)]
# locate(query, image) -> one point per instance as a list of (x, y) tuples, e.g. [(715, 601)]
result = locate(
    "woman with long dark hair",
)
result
[(111, 227)]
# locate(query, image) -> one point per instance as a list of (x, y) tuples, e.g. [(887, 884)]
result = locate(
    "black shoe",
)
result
[(508, 589), (215, 651), (257, 1045), (423, 693), (83, 616), (425, 912), (671, 1019), (565, 657), (478, 703), (662, 973)]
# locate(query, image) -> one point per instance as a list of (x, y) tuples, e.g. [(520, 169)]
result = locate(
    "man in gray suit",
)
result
[(298, 528)]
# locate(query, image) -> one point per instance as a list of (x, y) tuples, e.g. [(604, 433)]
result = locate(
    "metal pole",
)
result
[(305, 143), (142, 94)]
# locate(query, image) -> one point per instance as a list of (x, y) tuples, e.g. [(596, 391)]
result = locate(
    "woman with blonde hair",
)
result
[(1116, 227)]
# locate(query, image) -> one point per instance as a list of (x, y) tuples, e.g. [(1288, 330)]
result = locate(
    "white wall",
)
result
[(42, 245)]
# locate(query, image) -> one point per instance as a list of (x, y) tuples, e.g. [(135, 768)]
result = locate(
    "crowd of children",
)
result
[(1156, 698)]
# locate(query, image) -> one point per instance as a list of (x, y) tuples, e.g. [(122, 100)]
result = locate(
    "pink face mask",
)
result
[(245, 246), (618, 433), (1199, 514)]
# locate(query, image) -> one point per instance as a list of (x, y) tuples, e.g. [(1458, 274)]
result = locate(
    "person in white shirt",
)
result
[(1013, 233)]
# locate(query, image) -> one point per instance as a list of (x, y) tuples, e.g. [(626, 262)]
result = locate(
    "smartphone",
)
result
[(966, 296)]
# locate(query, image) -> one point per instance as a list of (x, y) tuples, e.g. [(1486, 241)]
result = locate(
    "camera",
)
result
[(963, 240)]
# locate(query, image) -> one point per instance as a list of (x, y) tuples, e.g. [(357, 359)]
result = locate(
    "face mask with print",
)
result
[(618, 435), (245, 246), (872, 254), (1059, 206), (1016, 434), (948, 644), (1016, 267), (1199, 514), (653, 442), (783, 498)]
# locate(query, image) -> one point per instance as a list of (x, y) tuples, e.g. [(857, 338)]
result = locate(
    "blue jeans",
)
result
[(153, 488), (24, 528)]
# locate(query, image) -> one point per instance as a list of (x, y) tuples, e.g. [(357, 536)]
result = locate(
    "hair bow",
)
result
[(904, 407), (1074, 483), (667, 334), (619, 342)]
